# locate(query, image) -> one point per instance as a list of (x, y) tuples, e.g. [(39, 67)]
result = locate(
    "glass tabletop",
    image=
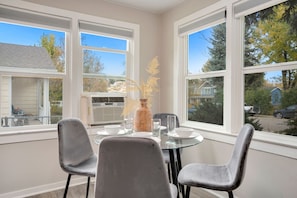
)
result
[(166, 142)]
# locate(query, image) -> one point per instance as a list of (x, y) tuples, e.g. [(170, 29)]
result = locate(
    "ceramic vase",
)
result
[(143, 117)]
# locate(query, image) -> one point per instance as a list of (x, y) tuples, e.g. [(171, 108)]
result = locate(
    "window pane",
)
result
[(271, 36), (207, 50), (271, 101), (37, 48), (104, 71), (30, 101), (205, 100), (103, 42), (270, 97)]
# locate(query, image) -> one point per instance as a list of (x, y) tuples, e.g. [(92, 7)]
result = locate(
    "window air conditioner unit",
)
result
[(102, 109)]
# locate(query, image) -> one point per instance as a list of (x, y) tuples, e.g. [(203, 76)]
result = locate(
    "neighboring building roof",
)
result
[(22, 56), (275, 88)]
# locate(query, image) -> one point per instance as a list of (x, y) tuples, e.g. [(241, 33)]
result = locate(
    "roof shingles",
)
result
[(22, 56)]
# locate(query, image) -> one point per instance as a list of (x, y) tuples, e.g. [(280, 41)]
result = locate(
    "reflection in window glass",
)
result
[(207, 50), (205, 100), (271, 106)]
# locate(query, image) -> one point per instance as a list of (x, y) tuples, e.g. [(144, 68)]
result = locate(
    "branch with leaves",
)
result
[(145, 89)]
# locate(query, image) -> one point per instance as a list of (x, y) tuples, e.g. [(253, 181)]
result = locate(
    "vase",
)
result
[(143, 117)]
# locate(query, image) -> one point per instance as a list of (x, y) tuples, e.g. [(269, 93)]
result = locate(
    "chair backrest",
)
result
[(163, 117), (237, 162), (74, 142), (131, 167)]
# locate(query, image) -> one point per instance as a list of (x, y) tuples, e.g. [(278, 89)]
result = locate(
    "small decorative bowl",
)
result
[(112, 129), (184, 132)]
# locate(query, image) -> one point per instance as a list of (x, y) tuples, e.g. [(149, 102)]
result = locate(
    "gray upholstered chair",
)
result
[(163, 117), (225, 177), (132, 167), (76, 155)]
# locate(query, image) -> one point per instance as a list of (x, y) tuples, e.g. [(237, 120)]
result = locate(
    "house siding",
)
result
[(24, 95)]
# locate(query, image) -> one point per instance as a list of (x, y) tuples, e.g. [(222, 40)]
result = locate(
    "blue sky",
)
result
[(198, 50), (114, 64), (23, 35)]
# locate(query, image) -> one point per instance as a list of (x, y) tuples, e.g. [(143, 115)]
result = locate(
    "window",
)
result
[(104, 63), (50, 64), (31, 69), (106, 57), (205, 62), (238, 66), (270, 67)]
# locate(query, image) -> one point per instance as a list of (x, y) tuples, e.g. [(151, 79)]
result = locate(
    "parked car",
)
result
[(288, 112), (251, 110)]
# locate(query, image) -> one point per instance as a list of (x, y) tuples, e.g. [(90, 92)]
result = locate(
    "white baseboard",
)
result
[(205, 193), (43, 188)]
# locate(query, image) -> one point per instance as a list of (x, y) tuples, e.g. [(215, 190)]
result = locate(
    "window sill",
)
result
[(277, 144), (262, 141), (37, 133), (26, 134)]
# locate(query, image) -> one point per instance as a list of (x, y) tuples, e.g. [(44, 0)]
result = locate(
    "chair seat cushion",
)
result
[(206, 176), (86, 168)]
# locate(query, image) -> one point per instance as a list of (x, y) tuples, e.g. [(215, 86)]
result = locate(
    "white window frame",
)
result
[(233, 92), (180, 64), (120, 34), (73, 66)]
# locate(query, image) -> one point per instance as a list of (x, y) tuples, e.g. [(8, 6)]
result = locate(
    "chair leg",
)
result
[(67, 184), (88, 185), (168, 170), (188, 189), (230, 194)]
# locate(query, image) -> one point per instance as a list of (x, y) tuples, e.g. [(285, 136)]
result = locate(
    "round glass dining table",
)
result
[(173, 144)]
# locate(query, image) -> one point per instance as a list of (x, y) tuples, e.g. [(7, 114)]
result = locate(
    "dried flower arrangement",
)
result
[(145, 89)]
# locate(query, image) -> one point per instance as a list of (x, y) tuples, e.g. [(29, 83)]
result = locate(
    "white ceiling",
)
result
[(154, 6)]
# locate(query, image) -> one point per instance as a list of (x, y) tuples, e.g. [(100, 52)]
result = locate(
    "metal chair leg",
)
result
[(230, 194), (88, 185), (67, 184), (188, 189), (169, 172)]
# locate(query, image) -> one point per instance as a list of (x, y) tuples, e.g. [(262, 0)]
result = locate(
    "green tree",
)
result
[(276, 43), (217, 52), (260, 98), (289, 97), (208, 112), (56, 53), (97, 82)]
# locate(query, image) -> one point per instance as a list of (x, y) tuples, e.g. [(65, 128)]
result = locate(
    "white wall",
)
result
[(168, 19)]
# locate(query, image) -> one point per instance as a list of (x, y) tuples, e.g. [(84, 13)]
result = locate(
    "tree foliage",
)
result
[(56, 53), (275, 42), (93, 65), (208, 112), (217, 52)]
